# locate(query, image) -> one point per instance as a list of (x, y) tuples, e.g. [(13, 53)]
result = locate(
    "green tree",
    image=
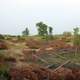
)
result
[(1, 36), (25, 32), (50, 33), (42, 29), (50, 30), (76, 37), (76, 40)]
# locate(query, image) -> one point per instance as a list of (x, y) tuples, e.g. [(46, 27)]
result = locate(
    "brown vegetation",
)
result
[(3, 45), (32, 73), (50, 46)]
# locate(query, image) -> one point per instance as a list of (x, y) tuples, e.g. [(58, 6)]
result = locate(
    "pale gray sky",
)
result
[(15, 15)]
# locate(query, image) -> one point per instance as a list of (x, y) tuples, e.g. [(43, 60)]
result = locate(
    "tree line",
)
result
[(47, 31), (43, 29)]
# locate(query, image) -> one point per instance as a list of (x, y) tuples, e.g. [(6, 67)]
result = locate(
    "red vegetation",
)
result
[(34, 44), (44, 74), (3, 45), (49, 47)]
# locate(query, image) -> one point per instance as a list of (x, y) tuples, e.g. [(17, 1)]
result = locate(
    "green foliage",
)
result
[(1, 37), (42, 29), (76, 40), (25, 32), (50, 36), (4, 72), (76, 31), (50, 30), (67, 34)]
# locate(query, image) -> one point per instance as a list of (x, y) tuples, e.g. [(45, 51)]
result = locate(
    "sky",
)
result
[(16, 15)]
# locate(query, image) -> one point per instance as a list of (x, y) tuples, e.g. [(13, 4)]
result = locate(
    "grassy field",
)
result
[(15, 51)]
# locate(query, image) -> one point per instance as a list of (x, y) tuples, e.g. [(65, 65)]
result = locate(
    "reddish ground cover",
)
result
[(44, 74)]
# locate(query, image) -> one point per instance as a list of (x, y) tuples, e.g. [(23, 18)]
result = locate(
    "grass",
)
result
[(72, 57), (56, 60), (16, 48)]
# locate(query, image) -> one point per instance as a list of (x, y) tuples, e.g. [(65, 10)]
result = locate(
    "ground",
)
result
[(15, 51)]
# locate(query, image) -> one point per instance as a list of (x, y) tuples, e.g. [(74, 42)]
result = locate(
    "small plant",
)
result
[(1, 37), (3, 45)]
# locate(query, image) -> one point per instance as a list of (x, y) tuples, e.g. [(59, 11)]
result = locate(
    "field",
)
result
[(35, 54)]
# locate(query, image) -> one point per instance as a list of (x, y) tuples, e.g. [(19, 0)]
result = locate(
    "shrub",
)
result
[(1, 37), (3, 45)]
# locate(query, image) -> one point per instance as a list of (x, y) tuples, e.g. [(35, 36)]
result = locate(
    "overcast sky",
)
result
[(15, 15)]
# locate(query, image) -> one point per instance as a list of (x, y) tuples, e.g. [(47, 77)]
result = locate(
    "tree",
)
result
[(1, 36), (50, 32), (76, 40), (42, 29), (25, 32)]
